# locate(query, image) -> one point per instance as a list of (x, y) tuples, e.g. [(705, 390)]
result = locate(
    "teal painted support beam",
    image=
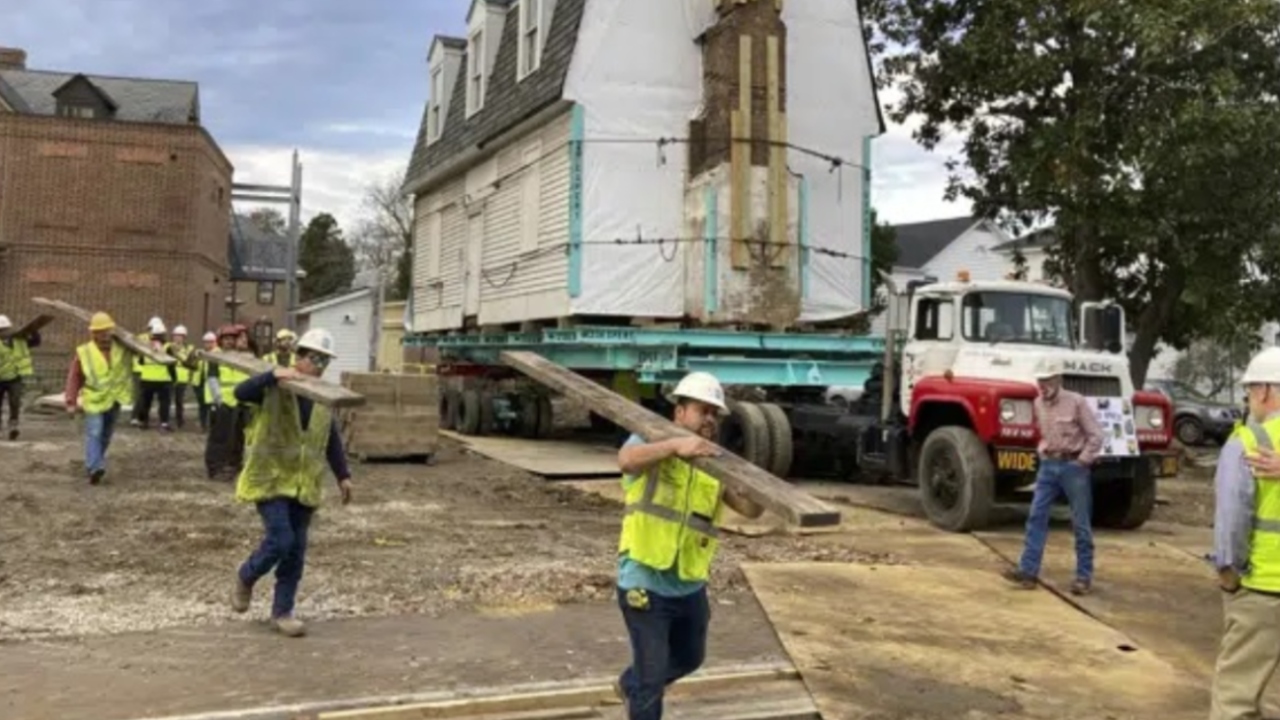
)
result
[(577, 134), (644, 339), (866, 220), (711, 252), (803, 231)]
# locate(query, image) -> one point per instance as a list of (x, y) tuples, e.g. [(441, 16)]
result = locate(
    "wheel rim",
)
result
[(1188, 433), (943, 481)]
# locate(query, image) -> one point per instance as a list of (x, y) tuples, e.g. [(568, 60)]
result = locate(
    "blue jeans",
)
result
[(284, 548), (668, 641), (98, 429), (1074, 481)]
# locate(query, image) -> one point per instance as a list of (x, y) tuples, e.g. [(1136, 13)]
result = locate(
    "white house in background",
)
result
[(558, 133), (352, 317)]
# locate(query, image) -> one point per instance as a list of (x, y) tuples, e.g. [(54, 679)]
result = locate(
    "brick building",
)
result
[(112, 197), (259, 261)]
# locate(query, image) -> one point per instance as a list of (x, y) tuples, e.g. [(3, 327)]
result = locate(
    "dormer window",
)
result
[(79, 97), (434, 116), (530, 37), (475, 72), (77, 111)]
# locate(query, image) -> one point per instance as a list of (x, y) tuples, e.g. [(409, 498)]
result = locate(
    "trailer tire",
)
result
[(955, 462), (469, 417), (448, 410), (746, 433), (1125, 504), (546, 416), (527, 409), (781, 449), (488, 423)]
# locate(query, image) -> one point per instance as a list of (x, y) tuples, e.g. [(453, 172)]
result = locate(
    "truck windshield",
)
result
[(1018, 318)]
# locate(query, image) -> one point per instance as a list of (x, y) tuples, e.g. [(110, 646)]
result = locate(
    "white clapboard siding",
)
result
[(438, 235), (350, 320)]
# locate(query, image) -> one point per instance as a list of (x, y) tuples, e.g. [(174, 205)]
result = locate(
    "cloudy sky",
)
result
[(342, 81)]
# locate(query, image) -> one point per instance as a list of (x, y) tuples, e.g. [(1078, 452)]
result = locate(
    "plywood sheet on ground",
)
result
[(548, 458), (926, 642)]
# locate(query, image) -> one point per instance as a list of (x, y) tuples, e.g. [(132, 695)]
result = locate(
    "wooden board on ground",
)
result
[(124, 337), (939, 642), (548, 458), (775, 494), (34, 325), (315, 389), (400, 418)]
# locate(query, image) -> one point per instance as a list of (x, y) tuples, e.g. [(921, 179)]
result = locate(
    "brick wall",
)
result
[(129, 218), (249, 310)]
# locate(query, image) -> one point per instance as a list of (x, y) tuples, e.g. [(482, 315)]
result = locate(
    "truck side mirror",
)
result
[(1102, 327)]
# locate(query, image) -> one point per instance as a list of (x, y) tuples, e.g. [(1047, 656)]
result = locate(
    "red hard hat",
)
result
[(231, 330)]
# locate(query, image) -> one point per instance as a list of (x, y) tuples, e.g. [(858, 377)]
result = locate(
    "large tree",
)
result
[(384, 236), (328, 261), (1148, 131), (269, 220)]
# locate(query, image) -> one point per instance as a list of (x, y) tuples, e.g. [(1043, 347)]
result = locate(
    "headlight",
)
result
[(1007, 412), (1149, 417), (1016, 412)]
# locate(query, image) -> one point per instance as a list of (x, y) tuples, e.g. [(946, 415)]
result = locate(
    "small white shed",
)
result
[(352, 318)]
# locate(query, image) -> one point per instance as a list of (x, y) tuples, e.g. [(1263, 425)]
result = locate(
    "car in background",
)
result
[(1197, 418)]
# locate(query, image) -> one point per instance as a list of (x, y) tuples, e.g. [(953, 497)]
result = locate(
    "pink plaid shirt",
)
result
[(1068, 427)]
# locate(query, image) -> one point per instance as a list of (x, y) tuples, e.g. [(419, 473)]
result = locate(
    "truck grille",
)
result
[(1092, 385)]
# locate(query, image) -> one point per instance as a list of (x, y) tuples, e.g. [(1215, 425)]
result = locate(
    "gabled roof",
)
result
[(448, 41), (81, 78), (12, 98), (334, 299), (1036, 239), (137, 99), (254, 254), (507, 103), (918, 243)]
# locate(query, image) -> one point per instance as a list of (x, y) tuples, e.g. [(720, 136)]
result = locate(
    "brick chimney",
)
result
[(13, 58)]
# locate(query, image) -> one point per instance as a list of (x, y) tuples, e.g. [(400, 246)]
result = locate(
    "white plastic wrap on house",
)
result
[(637, 73)]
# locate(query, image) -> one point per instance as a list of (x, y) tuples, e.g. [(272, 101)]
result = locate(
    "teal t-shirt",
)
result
[(632, 575)]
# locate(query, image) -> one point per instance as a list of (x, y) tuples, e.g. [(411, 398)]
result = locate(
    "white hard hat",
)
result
[(158, 328), (701, 386), (318, 340), (180, 330), (210, 337), (1048, 368), (5, 323), (1264, 368)]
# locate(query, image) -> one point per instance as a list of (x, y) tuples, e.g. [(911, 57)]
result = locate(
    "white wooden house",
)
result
[(352, 318), (574, 159)]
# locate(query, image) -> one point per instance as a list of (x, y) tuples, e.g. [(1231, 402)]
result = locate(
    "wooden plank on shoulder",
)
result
[(780, 497), (34, 325), (315, 389), (122, 336)]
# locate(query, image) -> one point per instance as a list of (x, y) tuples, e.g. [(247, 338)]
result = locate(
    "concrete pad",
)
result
[(941, 642), (548, 458)]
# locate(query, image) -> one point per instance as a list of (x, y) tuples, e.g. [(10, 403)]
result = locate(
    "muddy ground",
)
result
[(156, 545)]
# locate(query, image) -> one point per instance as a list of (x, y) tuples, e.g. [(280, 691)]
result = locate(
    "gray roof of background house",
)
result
[(254, 254), (1040, 239), (918, 243), (507, 103), (11, 97), (138, 99)]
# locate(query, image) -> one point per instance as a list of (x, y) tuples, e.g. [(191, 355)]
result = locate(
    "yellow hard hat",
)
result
[(286, 334), (101, 321)]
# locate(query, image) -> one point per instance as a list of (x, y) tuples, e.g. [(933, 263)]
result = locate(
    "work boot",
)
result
[(164, 428), (96, 476), (13, 433), (1020, 581), (241, 596), (1081, 587), (289, 626)]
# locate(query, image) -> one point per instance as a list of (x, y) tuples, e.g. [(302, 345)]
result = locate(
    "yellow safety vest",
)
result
[(15, 360), (274, 359), (183, 353), (281, 460), (1264, 541), (105, 383), (671, 519), (228, 379), (147, 370)]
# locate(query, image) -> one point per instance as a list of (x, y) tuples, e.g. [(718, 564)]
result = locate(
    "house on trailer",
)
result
[(352, 317), (609, 160)]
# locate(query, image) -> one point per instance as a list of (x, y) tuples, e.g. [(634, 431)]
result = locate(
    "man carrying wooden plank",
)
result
[(224, 446), (289, 441), (15, 367), (199, 378), (156, 380), (282, 355), (98, 384), (669, 538)]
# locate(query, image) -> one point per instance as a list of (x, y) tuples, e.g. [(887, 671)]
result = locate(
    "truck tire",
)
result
[(488, 423), (546, 416), (781, 449), (469, 416), (1124, 504), (956, 479), (1190, 431), (448, 410), (527, 410), (746, 433)]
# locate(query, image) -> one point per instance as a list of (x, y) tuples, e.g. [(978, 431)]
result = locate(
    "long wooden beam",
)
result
[(33, 326), (316, 389), (122, 336), (778, 496)]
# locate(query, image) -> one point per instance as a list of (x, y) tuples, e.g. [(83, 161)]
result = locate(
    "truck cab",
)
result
[(958, 414)]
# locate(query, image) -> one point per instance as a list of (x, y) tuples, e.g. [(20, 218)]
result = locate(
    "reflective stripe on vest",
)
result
[(282, 459), (1264, 542), (670, 520), (15, 360), (105, 384)]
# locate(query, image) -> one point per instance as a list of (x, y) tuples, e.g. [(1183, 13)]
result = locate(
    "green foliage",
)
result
[(269, 220), (328, 261), (1148, 131), (1211, 367), (884, 251)]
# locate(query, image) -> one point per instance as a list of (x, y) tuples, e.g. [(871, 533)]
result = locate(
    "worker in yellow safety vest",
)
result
[(199, 377), (156, 379), (669, 538), (15, 368), (98, 385), (224, 446), (1247, 546), (184, 353), (135, 418), (292, 443), (282, 356)]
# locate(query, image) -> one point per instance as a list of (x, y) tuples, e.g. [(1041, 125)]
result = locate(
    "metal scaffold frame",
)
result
[(290, 195)]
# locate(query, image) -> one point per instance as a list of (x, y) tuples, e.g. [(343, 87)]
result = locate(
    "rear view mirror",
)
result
[(1102, 327)]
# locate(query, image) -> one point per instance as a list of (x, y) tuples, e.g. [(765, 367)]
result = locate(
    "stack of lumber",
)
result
[(399, 420)]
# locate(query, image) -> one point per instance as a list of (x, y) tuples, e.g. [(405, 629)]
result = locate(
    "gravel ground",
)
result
[(156, 545)]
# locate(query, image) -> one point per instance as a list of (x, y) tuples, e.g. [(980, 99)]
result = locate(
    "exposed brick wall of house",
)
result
[(125, 217)]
